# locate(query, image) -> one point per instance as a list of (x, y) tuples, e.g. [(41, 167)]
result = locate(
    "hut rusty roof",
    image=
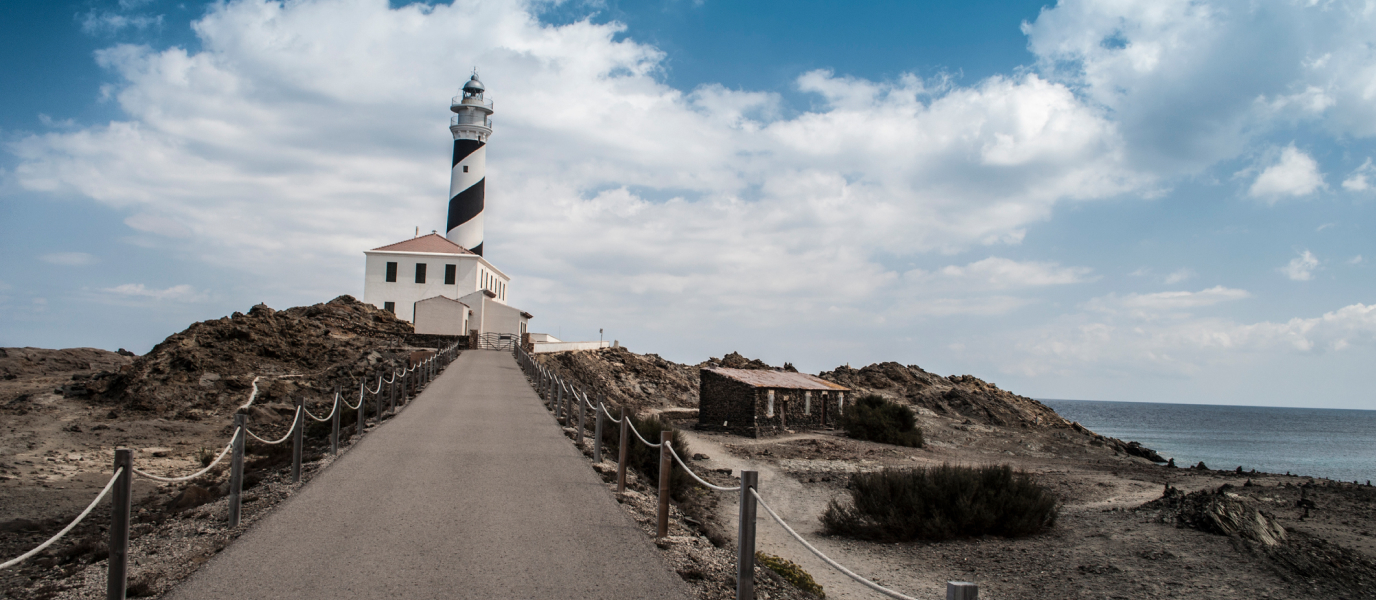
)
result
[(777, 379)]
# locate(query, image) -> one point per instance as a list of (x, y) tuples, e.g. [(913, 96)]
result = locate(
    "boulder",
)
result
[(1219, 512)]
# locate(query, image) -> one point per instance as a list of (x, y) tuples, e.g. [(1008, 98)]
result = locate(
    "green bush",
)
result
[(875, 419), (645, 459), (791, 573), (940, 503)]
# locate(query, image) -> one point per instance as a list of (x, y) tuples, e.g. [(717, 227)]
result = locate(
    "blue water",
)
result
[(1337, 444)]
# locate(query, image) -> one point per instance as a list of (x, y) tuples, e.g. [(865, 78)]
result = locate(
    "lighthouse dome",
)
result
[(473, 86)]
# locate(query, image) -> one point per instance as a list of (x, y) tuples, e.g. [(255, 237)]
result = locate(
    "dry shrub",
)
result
[(791, 573), (875, 419), (645, 459), (940, 503)]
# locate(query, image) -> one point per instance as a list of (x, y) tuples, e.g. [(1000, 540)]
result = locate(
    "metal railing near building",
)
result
[(399, 384), (569, 400)]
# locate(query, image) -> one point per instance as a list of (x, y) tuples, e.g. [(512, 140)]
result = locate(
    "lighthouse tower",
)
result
[(470, 126)]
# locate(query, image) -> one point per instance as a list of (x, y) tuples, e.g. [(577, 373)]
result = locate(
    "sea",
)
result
[(1332, 443)]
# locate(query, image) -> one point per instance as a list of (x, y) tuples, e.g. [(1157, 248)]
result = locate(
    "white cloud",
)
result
[(158, 225), (1194, 82), (1179, 275), (300, 133), (176, 293), (1150, 306), (1357, 181), (1002, 273), (48, 121), (1294, 174), (304, 132), (1301, 268), (1077, 345), (69, 259), (1356, 260), (97, 22)]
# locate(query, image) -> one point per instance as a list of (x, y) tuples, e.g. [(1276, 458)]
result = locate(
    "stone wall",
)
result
[(793, 411), (425, 340), (725, 404)]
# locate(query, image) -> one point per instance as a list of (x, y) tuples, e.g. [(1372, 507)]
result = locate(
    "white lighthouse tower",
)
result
[(442, 284), (471, 127)]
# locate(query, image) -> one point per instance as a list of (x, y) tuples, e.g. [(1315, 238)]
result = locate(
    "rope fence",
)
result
[(101, 496), (399, 386), (199, 473), (333, 408), (251, 397), (294, 421), (561, 394), (695, 475)]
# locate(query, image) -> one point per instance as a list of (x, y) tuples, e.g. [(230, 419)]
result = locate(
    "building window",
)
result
[(840, 402), (465, 168), (390, 307), (807, 403), (451, 272), (420, 272), (391, 272), (769, 404)]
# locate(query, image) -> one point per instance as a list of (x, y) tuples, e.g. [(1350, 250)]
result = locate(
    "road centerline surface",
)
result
[(472, 491)]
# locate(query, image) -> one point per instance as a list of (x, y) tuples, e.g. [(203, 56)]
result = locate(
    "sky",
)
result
[(1155, 200)]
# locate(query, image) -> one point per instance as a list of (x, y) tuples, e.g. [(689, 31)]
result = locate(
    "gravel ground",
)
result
[(1101, 547)]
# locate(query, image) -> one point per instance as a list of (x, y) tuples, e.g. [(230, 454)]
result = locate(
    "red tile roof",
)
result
[(433, 243), (778, 379)]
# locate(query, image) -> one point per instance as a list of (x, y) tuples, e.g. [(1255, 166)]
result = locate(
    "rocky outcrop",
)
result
[(33, 362), (957, 396), (1219, 512), (298, 352), (636, 381), (734, 360)]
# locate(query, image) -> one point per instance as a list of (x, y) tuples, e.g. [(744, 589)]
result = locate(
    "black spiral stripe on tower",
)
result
[(462, 148), (465, 205)]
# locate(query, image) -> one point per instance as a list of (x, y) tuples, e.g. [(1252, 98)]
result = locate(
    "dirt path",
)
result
[(800, 505)]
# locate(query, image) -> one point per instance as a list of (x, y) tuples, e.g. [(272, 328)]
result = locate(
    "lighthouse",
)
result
[(442, 284), (471, 126)]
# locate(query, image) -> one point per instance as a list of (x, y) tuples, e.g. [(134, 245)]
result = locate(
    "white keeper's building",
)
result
[(442, 284), (422, 280)]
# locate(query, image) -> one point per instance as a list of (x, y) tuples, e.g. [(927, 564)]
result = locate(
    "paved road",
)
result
[(471, 492)]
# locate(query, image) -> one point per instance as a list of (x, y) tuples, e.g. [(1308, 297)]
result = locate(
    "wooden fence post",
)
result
[(120, 505), (621, 453), (236, 468), (403, 392), (559, 411), (334, 425), (391, 393), (745, 538), (597, 434), (298, 439), (362, 408), (665, 466), (579, 397), (961, 590)]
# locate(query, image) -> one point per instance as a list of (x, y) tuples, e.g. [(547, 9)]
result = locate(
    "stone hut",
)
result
[(756, 402)]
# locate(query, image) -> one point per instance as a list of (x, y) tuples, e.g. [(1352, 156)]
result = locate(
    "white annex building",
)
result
[(443, 284)]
